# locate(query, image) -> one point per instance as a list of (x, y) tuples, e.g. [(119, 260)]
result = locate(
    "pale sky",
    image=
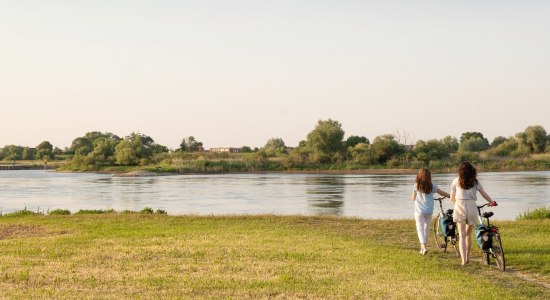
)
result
[(236, 73)]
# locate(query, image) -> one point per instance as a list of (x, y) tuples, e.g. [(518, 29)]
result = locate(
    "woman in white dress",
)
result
[(464, 190)]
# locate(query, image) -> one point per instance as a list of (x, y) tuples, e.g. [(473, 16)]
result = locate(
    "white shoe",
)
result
[(423, 251)]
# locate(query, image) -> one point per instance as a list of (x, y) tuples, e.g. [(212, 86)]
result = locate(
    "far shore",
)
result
[(146, 173)]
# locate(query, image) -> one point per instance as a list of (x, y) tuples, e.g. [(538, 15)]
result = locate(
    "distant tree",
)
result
[(497, 141), (325, 141), (431, 150), (81, 146), (467, 135), (533, 139), (473, 142), (44, 150), (137, 148), (274, 147), (141, 144), (12, 152), (509, 147), (28, 154), (385, 147), (360, 153), (299, 156), (353, 140), (126, 154), (246, 149), (451, 143), (183, 146), (94, 135), (194, 145), (403, 138), (104, 151), (190, 145)]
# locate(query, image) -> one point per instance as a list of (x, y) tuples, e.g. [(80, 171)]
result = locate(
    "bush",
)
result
[(59, 212), (95, 211), (147, 210), (23, 213), (537, 214)]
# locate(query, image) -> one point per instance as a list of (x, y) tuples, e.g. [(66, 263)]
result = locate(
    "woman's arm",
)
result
[(442, 192), (453, 199), (485, 195), (413, 198)]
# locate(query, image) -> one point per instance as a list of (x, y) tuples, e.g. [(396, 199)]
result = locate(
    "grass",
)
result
[(536, 214), (144, 256)]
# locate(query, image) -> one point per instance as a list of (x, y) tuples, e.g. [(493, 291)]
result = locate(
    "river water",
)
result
[(365, 196)]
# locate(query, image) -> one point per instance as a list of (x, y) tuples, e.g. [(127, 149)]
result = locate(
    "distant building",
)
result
[(225, 150)]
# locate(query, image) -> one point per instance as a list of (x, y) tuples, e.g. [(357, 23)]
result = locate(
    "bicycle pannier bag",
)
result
[(482, 236), (447, 225)]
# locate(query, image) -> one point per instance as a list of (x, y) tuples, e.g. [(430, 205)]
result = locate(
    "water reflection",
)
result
[(367, 196), (534, 180), (325, 194)]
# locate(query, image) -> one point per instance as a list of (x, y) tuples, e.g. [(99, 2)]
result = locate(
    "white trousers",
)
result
[(423, 226)]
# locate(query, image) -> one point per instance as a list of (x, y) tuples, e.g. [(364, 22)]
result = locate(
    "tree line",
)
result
[(324, 145)]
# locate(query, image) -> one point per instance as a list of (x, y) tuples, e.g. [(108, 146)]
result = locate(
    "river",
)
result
[(365, 196)]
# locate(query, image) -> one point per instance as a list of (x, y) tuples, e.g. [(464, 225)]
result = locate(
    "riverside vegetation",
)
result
[(323, 149), (144, 255)]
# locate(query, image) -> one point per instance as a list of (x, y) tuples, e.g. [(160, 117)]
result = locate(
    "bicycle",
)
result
[(488, 239), (445, 229)]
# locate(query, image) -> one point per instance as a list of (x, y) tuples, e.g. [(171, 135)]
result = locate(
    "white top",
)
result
[(424, 203), (462, 194)]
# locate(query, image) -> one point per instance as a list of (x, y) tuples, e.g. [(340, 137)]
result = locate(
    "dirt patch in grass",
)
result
[(19, 231)]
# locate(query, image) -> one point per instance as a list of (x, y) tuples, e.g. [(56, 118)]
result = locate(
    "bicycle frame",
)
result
[(486, 216), (443, 213), (445, 232), (488, 239)]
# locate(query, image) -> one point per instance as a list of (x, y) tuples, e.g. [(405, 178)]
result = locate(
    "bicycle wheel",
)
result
[(486, 257), (498, 252), (439, 238)]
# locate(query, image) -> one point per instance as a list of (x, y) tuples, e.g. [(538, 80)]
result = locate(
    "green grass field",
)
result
[(113, 256)]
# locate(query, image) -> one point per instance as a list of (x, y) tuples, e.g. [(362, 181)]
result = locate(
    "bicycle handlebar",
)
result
[(440, 198), (488, 204)]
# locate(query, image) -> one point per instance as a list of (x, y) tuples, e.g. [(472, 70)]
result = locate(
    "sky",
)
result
[(238, 73)]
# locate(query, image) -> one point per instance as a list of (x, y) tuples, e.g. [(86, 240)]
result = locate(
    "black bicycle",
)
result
[(488, 239), (444, 229)]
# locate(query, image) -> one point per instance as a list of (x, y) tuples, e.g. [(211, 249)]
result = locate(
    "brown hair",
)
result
[(467, 175), (424, 181)]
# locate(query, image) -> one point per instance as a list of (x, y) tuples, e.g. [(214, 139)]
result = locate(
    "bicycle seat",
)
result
[(487, 214)]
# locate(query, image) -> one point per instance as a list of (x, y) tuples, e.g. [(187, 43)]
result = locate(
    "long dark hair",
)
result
[(467, 175), (424, 181)]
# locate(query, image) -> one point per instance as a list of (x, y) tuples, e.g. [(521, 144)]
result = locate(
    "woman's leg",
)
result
[(427, 221), (420, 220), (463, 246), (468, 242)]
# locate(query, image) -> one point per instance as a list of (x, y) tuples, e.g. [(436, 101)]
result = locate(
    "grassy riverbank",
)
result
[(159, 256)]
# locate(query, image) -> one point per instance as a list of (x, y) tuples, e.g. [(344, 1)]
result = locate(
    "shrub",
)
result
[(95, 211), (59, 212), (147, 210), (22, 213), (537, 214)]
